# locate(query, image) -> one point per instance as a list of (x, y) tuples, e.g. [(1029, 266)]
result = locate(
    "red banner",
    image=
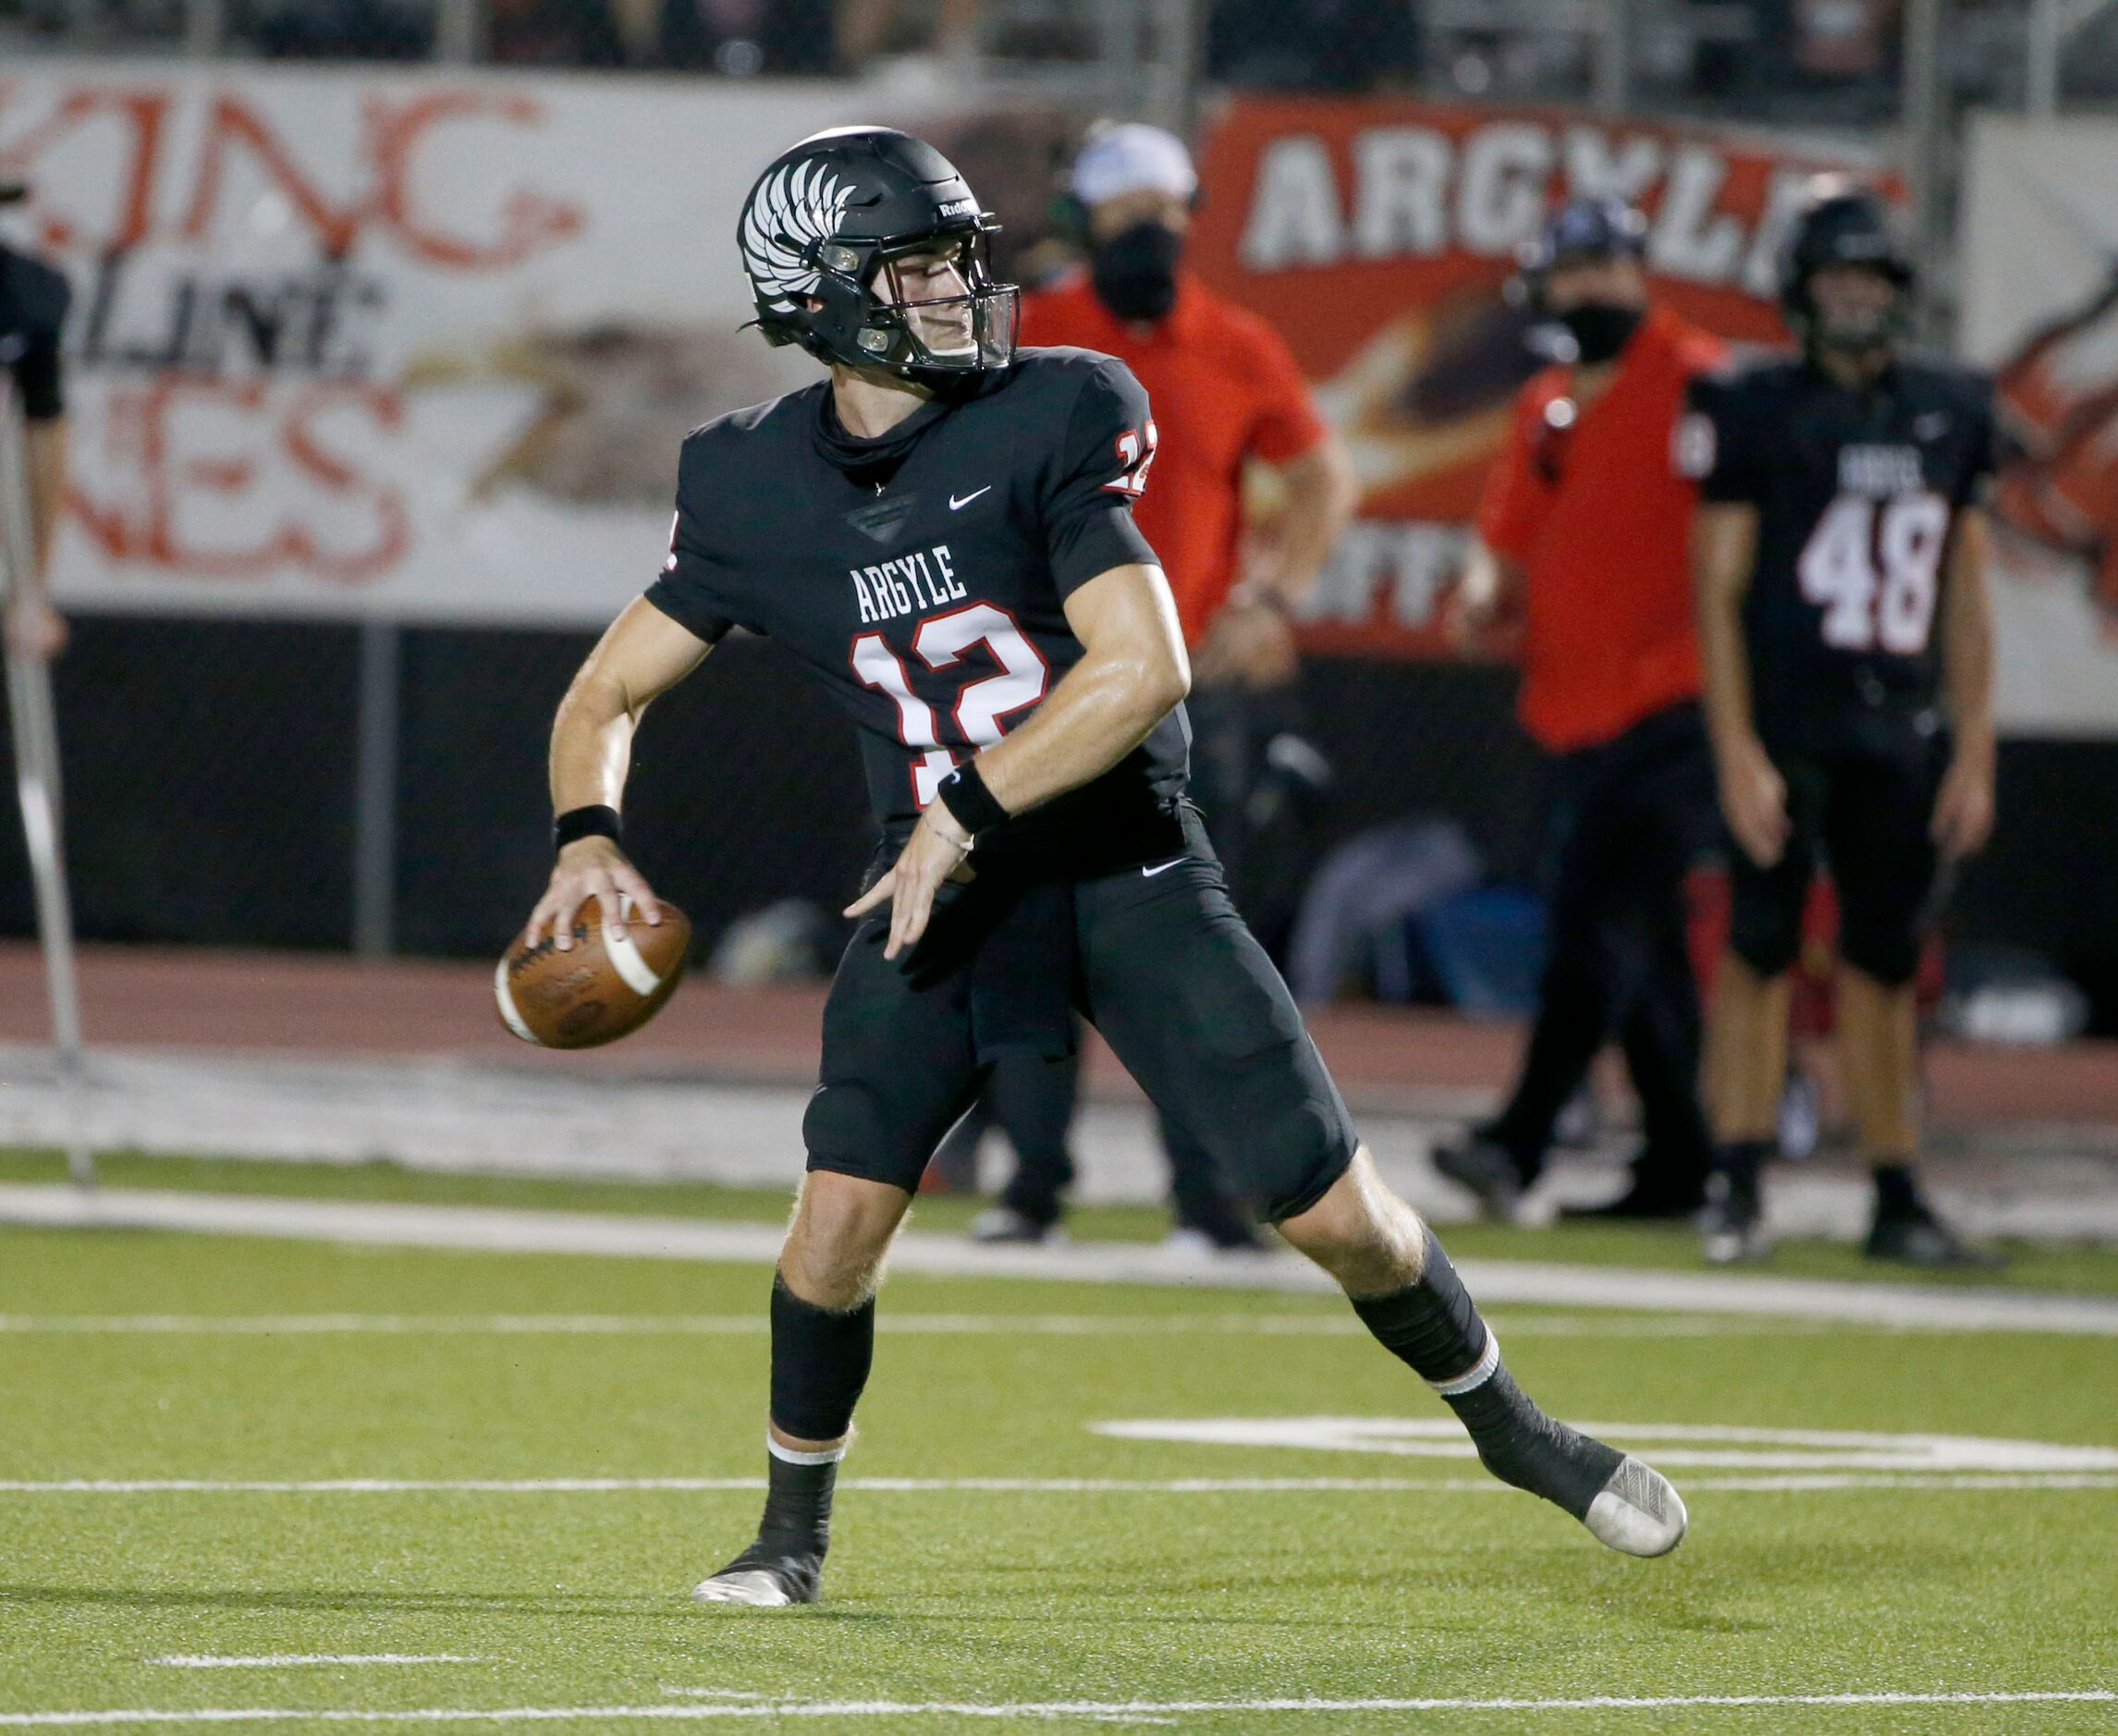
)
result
[(1377, 235)]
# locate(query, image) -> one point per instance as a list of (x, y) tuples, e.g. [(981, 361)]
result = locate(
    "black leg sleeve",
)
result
[(1434, 1327), (820, 1363)]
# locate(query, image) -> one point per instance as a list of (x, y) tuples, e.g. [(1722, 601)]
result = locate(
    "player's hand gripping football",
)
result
[(589, 868), (935, 851), (1964, 806), (1753, 801)]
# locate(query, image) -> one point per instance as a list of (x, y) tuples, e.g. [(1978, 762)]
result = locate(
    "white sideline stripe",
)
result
[(290, 1660), (509, 1230), (756, 1324), (1034, 1708), (1017, 1486)]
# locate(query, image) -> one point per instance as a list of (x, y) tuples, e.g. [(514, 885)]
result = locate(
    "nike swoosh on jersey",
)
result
[(1148, 874), (958, 502)]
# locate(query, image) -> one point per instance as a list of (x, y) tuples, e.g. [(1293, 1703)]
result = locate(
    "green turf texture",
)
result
[(2081, 1269), (578, 1599)]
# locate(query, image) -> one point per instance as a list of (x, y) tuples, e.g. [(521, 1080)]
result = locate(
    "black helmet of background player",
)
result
[(1132, 190), (1584, 277), (864, 246), (1845, 228)]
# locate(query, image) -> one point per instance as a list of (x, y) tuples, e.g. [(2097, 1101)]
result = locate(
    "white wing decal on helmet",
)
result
[(795, 205)]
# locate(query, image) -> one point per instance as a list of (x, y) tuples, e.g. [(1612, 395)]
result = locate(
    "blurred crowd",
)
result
[(1835, 56)]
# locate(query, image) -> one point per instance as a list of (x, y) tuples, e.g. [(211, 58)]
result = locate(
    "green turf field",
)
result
[(1165, 1596)]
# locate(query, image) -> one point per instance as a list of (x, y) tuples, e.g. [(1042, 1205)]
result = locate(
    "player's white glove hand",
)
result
[(1753, 801), (589, 868), (935, 851)]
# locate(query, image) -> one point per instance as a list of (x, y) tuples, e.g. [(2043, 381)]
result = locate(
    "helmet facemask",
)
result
[(924, 308), (934, 309), (1867, 308)]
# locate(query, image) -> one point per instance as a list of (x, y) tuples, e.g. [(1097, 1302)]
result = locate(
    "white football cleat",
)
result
[(756, 1582), (1638, 1511)]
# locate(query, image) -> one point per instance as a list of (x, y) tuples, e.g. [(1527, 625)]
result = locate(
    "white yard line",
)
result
[(756, 1324), (297, 1660), (1017, 1486), (694, 1709), (496, 1229)]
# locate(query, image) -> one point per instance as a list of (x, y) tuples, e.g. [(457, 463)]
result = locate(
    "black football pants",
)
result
[(1632, 815), (1860, 796), (1166, 970)]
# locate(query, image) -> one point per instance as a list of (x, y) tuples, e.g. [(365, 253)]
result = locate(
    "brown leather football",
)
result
[(596, 991)]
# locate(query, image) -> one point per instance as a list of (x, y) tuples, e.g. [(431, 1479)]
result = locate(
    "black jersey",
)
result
[(32, 313), (920, 576), (1858, 493)]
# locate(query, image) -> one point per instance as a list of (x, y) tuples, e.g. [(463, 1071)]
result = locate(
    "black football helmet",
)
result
[(822, 234), (1844, 223)]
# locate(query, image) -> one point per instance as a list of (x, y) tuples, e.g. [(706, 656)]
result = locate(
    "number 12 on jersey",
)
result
[(981, 705), (1873, 568)]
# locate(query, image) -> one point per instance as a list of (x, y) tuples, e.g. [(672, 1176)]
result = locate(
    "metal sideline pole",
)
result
[(1921, 130), (2040, 71), (1178, 26), (1611, 65), (36, 733), (205, 29), (459, 32)]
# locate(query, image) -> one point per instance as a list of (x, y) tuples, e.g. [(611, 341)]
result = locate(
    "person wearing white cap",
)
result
[(1226, 394)]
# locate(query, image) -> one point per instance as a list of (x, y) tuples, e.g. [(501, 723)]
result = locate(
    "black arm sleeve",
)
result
[(692, 589), (1102, 469), (1714, 444)]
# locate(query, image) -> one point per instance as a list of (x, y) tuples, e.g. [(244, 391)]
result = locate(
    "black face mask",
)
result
[(1600, 329), (1135, 271)]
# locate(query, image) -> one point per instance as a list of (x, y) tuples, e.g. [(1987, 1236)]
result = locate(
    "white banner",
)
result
[(420, 346), (2039, 238)]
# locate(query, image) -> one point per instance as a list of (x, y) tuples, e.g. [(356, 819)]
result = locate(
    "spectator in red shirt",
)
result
[(1581, 546), (1225, 393)]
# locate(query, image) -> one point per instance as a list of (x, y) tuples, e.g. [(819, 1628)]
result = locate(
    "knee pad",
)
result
[(1290, 1162), (1883, 946), (850, 1128), (1764, 927)]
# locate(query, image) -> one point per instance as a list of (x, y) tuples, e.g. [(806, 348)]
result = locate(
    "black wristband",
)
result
[(964, 794), (592, 821)]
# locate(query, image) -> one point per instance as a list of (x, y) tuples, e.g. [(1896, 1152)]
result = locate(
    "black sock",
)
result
[(1737, 1164), (1896, 1191), (1434, 1327), (797, 1523), (820, 1361)]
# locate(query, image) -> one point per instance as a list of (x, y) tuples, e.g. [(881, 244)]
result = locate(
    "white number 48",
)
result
[(1872, 566)]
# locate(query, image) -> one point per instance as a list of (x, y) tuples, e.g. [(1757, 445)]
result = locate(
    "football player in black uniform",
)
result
[(1840, 556), (943, 533)]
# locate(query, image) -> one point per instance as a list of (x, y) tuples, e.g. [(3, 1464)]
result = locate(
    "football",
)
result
[(600, 989)]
